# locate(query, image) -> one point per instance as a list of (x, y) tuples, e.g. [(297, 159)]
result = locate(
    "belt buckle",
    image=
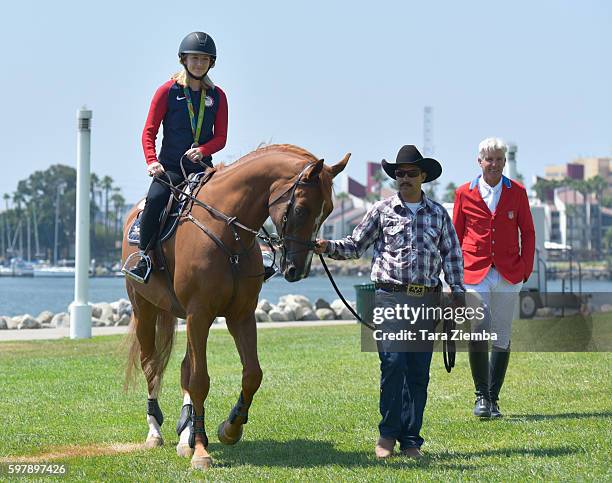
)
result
[(415, 289)]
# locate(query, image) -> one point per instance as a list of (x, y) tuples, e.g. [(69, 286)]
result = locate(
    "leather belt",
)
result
[(414, 289)]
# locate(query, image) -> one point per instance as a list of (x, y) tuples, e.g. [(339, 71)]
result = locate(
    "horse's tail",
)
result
[(164, 327)]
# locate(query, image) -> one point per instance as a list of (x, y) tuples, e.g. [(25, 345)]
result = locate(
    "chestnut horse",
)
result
[(215, 265)]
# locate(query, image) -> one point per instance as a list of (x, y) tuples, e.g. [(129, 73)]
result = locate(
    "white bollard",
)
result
[(80, 310)]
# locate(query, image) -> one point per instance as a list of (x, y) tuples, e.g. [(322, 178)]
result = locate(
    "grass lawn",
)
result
[(315, 416)]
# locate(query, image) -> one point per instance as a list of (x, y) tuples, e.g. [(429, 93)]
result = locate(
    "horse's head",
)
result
[(307, 203)]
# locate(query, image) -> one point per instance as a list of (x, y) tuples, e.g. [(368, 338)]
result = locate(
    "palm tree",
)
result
[(94, 183), (107, 185), (118, 204), (543, 186), (18, 199), (6, 218)]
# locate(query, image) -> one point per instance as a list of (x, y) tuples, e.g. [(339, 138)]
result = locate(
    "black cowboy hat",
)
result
[(409, 155)]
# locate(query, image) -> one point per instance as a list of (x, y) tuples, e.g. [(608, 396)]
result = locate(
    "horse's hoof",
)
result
[(184, 450), (154, 442), (201, 462), (224, 438)]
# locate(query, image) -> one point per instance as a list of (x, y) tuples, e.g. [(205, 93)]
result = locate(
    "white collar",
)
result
[(485, 186)]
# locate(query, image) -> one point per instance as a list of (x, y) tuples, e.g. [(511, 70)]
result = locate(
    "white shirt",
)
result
[(412, 206), (490, 195)]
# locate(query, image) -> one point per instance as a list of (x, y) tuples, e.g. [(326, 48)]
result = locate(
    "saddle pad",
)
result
[(172, 219)]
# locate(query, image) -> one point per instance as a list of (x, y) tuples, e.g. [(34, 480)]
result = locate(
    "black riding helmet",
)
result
[(198, 43)]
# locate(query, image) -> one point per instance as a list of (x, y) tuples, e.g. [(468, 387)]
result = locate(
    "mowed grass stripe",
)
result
[(315, 416)]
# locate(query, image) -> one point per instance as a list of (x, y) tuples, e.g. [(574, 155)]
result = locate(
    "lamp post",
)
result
[(80, 310)]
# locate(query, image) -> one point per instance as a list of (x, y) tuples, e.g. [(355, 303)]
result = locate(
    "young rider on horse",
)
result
[(194, 114)]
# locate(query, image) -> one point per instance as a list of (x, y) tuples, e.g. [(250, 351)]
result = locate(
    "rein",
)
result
[(274, 240)]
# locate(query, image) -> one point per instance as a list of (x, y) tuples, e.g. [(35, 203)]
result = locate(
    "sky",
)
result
[(330, 76)]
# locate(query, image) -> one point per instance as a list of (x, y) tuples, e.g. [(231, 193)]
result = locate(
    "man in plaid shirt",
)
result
[(414, 239)]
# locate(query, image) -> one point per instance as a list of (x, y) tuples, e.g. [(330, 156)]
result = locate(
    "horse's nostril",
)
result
[(291, 271)]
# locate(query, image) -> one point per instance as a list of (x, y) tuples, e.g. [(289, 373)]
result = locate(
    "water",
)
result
[(33, 295)]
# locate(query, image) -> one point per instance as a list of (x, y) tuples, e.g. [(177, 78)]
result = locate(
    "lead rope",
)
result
[(448, 347), (331, 279)]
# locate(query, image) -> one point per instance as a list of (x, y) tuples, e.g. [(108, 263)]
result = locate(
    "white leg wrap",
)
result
[(154, 429)]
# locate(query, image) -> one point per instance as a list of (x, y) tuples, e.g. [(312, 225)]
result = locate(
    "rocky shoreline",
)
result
[(119, 313)]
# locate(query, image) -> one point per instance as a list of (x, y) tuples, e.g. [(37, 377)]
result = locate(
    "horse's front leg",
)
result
[(184, 427), (245, 337), (198, 386)]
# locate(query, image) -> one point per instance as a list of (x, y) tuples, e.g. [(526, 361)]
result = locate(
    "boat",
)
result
[(52, 271)]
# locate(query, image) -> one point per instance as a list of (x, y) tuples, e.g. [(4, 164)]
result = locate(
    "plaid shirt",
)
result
[(408, 247)]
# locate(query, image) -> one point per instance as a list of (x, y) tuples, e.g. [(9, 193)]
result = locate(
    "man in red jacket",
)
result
[(495, 228)]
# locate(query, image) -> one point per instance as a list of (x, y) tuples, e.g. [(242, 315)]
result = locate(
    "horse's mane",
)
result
[(291, 149)]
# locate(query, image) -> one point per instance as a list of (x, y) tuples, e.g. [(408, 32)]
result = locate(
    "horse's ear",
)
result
[(312, 172), (340, 165)]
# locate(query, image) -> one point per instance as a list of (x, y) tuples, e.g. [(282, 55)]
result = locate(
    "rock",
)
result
[(96, 311), (606, 308), (287, 310), (13, 322), (182, 322), (261, 316), (278, 316), (106, 312), (322, 304), (295, 300), (3, 324), (307, 314), (45, 317), (123, 320), (341, 311), (28, 322), (121, 307), (325, 314), (264, 305), (60, 320), (46, 326), (97, 322), (219, 320)]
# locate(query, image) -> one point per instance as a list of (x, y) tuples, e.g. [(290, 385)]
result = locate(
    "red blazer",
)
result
[(493, 238)]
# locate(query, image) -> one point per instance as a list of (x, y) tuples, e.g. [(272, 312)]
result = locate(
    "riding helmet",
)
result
[(198, 43)]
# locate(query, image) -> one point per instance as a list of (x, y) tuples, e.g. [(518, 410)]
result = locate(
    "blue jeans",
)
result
[(404, 377)]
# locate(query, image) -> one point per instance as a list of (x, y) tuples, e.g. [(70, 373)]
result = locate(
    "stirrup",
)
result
[(128, 273)]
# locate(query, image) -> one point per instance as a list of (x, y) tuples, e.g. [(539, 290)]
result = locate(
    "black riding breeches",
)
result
[(157, 198)]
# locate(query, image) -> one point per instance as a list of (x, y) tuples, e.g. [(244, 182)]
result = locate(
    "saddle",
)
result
[(172, 212), (169, 220)]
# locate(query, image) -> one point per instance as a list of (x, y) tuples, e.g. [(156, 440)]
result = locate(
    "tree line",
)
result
[(38, 221)]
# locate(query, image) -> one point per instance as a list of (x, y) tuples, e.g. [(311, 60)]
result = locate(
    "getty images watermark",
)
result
[(404, 322)]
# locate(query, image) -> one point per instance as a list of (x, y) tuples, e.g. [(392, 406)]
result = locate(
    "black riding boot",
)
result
[(479, 364), (499, 365)]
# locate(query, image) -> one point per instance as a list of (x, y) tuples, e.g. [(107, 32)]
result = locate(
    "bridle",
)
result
[(280, 240)]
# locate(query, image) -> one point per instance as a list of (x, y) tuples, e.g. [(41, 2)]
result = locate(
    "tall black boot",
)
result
[(479, 364), (499, 365)]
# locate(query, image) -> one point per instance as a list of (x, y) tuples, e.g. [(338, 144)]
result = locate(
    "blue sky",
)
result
[(332, 77)]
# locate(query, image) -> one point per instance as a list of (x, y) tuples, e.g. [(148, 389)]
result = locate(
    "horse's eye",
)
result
[(299, 212)]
